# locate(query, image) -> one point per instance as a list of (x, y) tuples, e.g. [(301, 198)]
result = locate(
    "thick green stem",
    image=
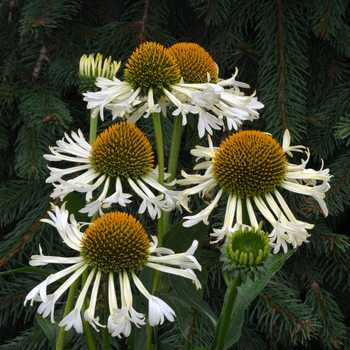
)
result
[(232, 292), (67, 310), (227, 313), (160, 157), (93, 128), (89, 338), (149, 337), (175, 147), (86, 324), (173, 158), (106, 334)]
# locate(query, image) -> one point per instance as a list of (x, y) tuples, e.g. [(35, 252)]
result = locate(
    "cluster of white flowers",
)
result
[(214, 104), (211, 102)]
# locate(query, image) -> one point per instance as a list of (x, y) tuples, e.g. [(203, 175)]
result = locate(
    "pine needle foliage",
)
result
[(295, 54)]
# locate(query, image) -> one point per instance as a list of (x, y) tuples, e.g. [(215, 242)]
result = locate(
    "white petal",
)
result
[(157, 310)]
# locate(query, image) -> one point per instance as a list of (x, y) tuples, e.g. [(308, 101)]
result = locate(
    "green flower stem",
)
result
[(160, 157), (226, 317), (106, 334), (175, 147), (173, 158), (93, 128), (149, 337), (86, 324), (87, 328), (232, 292), (159, 144), (67, 310)]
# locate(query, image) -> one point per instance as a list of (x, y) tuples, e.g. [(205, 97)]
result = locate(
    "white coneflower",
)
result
[(250, 166), (116, 245), (122, 152), (184, 78)]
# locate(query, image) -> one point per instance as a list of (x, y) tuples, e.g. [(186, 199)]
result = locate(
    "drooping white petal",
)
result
[(204, 214), (158, 310), (183, 260), (158, 250), (73, 319), (96, 206), (89, 314), (187, 273)]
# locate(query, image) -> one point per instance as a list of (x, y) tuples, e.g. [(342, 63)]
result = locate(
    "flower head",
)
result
[(121, 153), (151, 65), (182, 78), (90, 68), (246, 252), (195, 63), (116, 244), (250, 166)]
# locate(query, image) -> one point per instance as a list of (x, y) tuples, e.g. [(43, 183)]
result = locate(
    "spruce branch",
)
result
[(141, 39), (41, 59), (329, 314)]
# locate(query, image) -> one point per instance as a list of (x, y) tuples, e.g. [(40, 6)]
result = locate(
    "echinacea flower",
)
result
[(122, 152), (199, 69), (250, 166), (154, 79), (116, 245)]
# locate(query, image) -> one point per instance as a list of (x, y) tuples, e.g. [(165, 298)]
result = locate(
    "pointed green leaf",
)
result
[(183, 313), (250, 290), (38, 333), (74, 204), (50, 329), (180, 238), (187, 296), (31, 270)]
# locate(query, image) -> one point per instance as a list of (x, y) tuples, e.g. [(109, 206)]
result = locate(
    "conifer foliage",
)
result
[(295, 54)]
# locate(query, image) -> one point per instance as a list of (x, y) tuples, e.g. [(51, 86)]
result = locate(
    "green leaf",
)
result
[(38, 333), (31, 270), (74, 204), (234, 332), (250, 290), (183, 313), (146, 276), (164, 346), (190, 298), (138, 336), (50, 329), (180, 238)]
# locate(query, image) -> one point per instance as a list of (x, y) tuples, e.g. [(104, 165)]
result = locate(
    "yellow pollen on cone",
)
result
[(194, 63), (151, 65), (249, 163), (122, 150), (115, 242)]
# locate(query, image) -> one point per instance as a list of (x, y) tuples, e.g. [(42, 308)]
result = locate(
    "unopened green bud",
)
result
[(246, 252), (91, 68)]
